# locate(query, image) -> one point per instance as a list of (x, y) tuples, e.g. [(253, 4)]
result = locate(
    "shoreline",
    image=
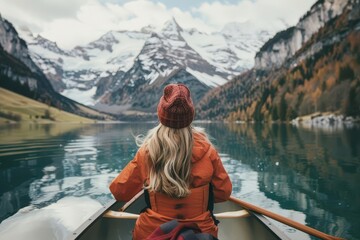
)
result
[(325, 120), (318, 119)]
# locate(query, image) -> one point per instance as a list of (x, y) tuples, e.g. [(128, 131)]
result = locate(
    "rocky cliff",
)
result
[(286, 43)]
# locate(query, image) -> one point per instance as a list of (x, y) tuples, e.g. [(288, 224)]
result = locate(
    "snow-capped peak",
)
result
[(105, 42), (50, 45), (171, 29), (109, 37)]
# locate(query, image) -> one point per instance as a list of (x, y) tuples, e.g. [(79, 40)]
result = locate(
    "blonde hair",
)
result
[(170, 152)]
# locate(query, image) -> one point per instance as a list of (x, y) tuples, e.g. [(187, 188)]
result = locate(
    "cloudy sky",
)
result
[(77, 22)]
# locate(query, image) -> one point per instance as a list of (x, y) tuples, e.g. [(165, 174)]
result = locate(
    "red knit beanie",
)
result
[(176, 109)]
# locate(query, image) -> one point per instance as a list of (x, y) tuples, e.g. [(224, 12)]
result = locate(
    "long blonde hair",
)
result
[(169, 152)]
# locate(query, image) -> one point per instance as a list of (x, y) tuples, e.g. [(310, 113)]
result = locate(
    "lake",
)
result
[(53, 177)]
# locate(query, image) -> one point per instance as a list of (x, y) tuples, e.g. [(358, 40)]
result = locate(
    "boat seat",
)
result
[(222, 215)]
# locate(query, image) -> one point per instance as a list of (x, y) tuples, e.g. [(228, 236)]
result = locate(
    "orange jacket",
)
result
[(206, 168)]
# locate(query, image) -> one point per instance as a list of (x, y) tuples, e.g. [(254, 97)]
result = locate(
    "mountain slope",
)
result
[(15, 108), (323, 75), (20, 74)]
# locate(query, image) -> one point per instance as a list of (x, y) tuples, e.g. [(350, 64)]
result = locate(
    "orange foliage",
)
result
[(330, 82), (321, 73), (269, 100), (297, 74), (250, 111), (354, 41), (337, 70)]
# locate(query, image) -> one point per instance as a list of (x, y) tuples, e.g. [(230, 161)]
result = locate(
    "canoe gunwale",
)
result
[(265, 221), (97, 216), (92, 220)]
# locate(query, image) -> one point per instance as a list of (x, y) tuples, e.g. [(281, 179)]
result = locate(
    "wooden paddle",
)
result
[(284, 220)]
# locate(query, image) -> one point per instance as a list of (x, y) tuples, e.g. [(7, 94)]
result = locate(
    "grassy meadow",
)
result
[(17, 108)]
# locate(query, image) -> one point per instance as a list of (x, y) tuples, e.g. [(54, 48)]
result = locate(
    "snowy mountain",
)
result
[(167, 51), (231, 50), (106, 73), (76, 73), (165, 57)]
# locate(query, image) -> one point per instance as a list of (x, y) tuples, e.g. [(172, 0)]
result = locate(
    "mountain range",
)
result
[(111, 73), (238, 73)]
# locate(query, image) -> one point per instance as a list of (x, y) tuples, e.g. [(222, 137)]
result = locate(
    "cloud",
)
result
[(143, 13), (265, 14), (40, 16), (78, 22), (68, 32), (44, 9)]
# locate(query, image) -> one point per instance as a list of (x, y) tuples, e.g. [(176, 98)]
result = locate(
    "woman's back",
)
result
[(179, 168)]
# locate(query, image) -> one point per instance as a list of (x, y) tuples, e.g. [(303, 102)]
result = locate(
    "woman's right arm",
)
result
[(131, 179), (221, 183)]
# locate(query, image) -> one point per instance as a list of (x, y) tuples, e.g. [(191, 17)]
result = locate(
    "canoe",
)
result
[(117, 219)]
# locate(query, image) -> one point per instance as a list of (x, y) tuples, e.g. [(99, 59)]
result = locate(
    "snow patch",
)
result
[(212, 81), (104, 74), (81, 96)]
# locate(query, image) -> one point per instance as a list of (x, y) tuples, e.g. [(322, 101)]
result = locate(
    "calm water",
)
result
[(54, 176)]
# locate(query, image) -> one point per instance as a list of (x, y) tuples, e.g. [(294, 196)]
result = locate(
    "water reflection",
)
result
[(308, 175), (315, 172), (80, 157), (40, 164)]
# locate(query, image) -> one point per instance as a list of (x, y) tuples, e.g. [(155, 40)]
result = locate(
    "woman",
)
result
[(178, 166)]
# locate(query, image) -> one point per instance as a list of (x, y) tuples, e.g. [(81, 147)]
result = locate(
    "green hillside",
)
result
[(17, 108)]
